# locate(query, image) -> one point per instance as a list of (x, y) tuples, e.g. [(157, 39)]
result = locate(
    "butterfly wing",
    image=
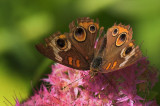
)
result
[(83, 36), (117, 50), (74, 49)]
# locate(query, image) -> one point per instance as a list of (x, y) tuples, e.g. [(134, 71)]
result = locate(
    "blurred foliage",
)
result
[(23, 23)]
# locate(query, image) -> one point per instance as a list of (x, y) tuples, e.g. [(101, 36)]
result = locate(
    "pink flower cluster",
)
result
[(70, 87)]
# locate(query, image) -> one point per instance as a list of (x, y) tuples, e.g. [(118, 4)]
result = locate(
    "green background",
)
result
[(24, 23)]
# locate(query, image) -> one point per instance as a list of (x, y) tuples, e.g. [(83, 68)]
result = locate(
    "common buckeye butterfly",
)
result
[(115, 50)]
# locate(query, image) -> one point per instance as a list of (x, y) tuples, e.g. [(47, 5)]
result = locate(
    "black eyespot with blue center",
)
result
[(115, 32), (92, 28), (79, 34), (122, 37), (128, 50), (61, 43)]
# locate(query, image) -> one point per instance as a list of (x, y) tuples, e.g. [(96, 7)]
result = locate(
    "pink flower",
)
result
[(75, 87)]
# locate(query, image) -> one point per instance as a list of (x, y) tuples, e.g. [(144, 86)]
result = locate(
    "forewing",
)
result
[(83, 36), (119, 51), (63, 53)]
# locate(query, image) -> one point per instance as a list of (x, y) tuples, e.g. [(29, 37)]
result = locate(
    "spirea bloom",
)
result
[(70, 87)]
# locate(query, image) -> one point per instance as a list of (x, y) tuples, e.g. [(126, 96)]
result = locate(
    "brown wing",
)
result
[(83, 36), (119, 51), (59, 48), (74, 49)]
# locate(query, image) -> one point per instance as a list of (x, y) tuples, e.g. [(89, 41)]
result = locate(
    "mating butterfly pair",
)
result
[(114, 49)]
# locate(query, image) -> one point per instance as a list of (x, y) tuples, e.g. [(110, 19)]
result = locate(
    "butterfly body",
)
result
[(76, 49)]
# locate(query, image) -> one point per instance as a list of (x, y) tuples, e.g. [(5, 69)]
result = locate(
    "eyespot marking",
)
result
[(128, 50), (63, 42), (86, 24), (115, 32), (78, 63), (121, 39), (92, 28), (80, 34), (70, 60), (127, 57)]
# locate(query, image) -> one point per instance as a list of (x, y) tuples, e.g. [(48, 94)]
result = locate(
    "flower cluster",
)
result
[(74, 87)]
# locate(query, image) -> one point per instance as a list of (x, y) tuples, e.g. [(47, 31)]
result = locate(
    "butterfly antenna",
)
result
[(73, 82)]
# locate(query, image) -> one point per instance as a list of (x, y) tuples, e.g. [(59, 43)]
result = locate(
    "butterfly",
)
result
[(114, 49)]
